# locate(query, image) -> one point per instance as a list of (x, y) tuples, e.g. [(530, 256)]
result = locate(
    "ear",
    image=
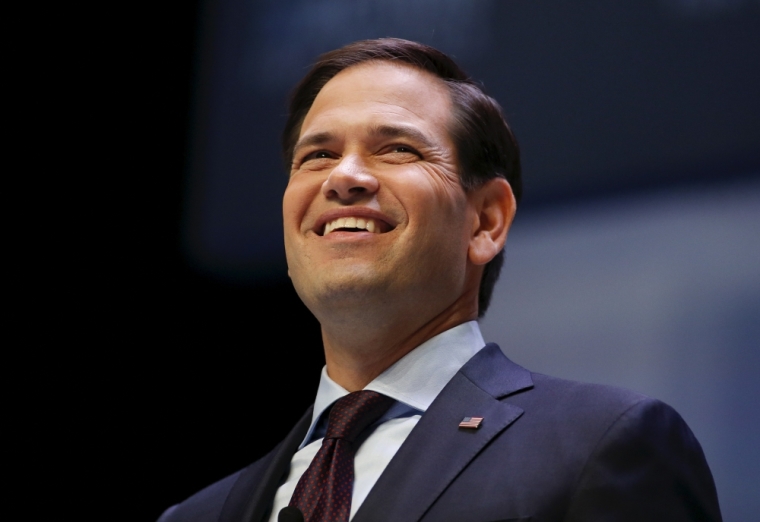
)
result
[(494, 204)]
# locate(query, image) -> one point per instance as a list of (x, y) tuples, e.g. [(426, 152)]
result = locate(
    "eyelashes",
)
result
[(318, 154), (406, 149)]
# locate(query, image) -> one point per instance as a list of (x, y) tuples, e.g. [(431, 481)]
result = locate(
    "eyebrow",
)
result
[(320, 138), (401, 131), (384, 131)]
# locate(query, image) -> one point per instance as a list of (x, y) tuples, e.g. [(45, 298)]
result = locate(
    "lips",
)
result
[(353, 220)]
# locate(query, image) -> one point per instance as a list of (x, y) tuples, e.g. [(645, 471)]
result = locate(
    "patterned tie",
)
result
[(324, 491)]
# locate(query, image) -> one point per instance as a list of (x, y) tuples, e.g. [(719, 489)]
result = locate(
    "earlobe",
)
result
[(495, 207)]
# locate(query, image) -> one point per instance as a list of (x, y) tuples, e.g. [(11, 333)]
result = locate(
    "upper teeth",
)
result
[(351, 222)]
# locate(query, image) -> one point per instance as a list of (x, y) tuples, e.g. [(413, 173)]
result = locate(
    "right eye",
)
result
[(317, 154)]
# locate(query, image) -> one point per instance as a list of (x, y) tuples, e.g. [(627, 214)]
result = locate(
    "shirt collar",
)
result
[(410, 379)]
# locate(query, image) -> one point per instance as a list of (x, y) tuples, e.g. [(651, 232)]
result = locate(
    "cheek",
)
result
[(296, 201), (436, 197), (289, 204), (441, 180)]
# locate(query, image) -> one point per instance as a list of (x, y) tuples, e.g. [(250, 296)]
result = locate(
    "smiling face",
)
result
[(374, 211)]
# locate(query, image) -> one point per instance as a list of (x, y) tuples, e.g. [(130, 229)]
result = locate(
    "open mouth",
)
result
[(355, 224)]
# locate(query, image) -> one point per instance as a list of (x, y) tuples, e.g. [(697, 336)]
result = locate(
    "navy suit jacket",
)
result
[(547, 450)]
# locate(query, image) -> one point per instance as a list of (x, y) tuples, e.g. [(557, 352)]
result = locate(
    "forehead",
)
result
[(380, 92)]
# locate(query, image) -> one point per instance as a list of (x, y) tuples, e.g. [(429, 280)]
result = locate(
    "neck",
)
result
[(362, 344)]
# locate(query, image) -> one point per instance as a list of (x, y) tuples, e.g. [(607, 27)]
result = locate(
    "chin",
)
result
[(354, 288)]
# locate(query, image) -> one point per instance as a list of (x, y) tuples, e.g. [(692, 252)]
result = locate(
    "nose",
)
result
[(349, 180)]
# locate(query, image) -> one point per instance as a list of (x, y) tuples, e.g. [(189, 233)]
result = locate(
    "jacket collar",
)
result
[(413, 479)]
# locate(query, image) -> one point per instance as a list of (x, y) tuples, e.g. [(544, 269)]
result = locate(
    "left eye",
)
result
[(404, 149)]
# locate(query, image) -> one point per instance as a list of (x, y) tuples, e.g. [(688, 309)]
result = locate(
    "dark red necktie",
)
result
[(323, 493)]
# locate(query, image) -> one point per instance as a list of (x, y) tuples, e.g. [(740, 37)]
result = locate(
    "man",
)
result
[(403, 184)]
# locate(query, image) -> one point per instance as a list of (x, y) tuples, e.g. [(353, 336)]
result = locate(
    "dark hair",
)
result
[(486, 147)]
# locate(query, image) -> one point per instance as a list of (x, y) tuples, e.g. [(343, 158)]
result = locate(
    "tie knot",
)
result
[(354, 412)]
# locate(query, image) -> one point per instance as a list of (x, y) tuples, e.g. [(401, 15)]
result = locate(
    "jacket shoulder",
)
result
[(640, 460), (585, 395), (203, 506), (249, 489), (207, 504)]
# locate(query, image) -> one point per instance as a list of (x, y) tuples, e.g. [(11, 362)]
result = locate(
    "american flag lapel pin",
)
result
[(471, 423)]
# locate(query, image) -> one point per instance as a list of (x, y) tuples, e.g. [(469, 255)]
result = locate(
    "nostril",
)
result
[(348, 181)]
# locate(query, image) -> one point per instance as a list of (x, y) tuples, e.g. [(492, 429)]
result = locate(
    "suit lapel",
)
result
[(251, 496), (437, 450)]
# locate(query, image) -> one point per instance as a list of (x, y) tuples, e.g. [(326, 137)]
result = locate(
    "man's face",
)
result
[(374, 209)]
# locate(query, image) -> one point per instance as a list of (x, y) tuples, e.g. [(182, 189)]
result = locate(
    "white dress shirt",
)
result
[(414, 381)]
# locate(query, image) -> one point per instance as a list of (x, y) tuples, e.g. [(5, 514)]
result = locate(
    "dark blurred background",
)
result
[(633, 259)]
